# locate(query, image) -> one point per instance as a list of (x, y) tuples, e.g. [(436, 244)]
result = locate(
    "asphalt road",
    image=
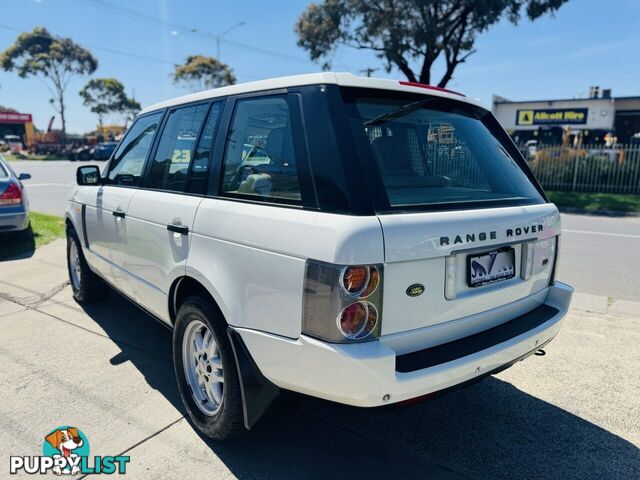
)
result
[(50, 184), (599, 255)]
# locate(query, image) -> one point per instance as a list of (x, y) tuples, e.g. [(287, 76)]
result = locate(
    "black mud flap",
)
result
[(258, 393)]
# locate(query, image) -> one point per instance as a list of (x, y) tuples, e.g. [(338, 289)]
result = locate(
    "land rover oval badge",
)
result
[(415, 290)]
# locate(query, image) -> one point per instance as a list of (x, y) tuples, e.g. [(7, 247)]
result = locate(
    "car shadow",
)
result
[(488, 430)]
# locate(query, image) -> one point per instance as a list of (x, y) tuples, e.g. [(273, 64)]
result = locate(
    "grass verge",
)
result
[(16, 157), (596, 202), (44, 229)]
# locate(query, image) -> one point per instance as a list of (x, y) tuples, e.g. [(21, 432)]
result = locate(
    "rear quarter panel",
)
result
[(252, 257)]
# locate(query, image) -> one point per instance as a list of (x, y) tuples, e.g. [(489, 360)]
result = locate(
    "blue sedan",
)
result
[(102, 151), (14, 205)]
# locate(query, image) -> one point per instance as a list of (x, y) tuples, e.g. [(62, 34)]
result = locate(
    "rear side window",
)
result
[(128, 161), (259, 160), (198, 178), (170, 165), (434, 151)]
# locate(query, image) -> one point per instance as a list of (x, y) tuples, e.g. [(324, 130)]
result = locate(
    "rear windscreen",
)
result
[(434, 151)]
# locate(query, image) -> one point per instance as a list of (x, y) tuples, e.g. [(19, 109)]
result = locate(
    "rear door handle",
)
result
[(178, 229), (119, 214)]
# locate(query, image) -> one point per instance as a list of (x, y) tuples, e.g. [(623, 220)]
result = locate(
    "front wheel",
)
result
[(206, 370)]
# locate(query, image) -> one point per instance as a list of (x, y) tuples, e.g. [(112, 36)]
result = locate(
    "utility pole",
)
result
[(369, 71), (221, 36)]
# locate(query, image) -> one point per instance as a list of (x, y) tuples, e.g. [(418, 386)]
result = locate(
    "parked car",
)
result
[(47, 148), (14, 204), (391, 243), (103, 150), (81, 153), (14, 142)]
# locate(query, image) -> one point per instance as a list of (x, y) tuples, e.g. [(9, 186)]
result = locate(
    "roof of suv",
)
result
[(342, 79)]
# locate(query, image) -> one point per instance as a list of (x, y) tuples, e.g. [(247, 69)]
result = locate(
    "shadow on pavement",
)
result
[(489, 430)]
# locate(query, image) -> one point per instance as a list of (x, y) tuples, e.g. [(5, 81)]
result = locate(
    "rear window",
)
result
[(3, 172), (431, 151)]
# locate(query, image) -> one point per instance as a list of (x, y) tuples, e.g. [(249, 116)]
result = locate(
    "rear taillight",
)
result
[(12, 195), (538, 255), (342, 303)]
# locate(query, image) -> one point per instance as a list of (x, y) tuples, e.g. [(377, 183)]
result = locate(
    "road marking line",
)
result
[(28, 185), (604, 234)]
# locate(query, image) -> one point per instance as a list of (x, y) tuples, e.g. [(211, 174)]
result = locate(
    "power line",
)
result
[(133, 14), (131, 55), (136, 15)]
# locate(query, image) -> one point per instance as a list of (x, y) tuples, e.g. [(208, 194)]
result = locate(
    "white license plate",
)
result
[(491, 267)]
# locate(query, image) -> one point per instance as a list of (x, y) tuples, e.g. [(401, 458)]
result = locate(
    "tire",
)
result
[(87, 287), (219, 420)]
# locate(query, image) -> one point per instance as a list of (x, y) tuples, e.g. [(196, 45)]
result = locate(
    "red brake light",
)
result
[(12, 195), (353, 319), (358, 320), (430, 87)]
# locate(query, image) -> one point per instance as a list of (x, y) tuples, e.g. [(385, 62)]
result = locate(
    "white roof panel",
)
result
[(343, 79)]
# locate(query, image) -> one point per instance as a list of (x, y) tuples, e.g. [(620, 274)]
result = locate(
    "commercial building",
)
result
[(16, 123), (598, 119)]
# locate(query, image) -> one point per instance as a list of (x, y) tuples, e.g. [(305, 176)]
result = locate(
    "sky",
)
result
[(586, 43)]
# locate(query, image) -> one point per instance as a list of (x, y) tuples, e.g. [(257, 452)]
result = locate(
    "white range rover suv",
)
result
[(360, 240)]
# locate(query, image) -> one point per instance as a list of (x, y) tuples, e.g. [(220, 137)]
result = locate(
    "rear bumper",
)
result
[(371, 374), (14, 221)]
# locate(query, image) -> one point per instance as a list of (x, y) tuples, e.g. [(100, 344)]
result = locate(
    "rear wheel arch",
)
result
[(184, 287), (257, 393)]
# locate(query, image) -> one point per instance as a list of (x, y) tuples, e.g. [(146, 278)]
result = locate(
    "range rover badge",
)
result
[(415, 290)]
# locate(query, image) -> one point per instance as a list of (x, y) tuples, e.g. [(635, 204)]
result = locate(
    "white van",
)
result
[(360, 240)]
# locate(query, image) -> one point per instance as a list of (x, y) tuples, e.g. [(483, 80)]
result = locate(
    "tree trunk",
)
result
[(425, 71), (447, 76), (63, 136)]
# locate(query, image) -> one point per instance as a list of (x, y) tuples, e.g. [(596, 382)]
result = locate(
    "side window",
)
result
[(199, 175), (128, 161), (171, 163), (259, 160)]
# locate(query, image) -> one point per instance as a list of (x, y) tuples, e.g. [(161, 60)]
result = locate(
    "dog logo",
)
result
[(65, 451), (66, 445)]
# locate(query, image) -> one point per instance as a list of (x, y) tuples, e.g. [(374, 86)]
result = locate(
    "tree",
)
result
[(38, 53), (204, 72), (107, 95), (405, 32)]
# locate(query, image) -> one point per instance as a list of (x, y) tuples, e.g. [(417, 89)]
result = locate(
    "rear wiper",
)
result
[(398, 112)]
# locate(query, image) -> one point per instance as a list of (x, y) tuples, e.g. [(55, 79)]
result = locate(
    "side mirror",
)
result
[(88, 175), (24, 176)]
